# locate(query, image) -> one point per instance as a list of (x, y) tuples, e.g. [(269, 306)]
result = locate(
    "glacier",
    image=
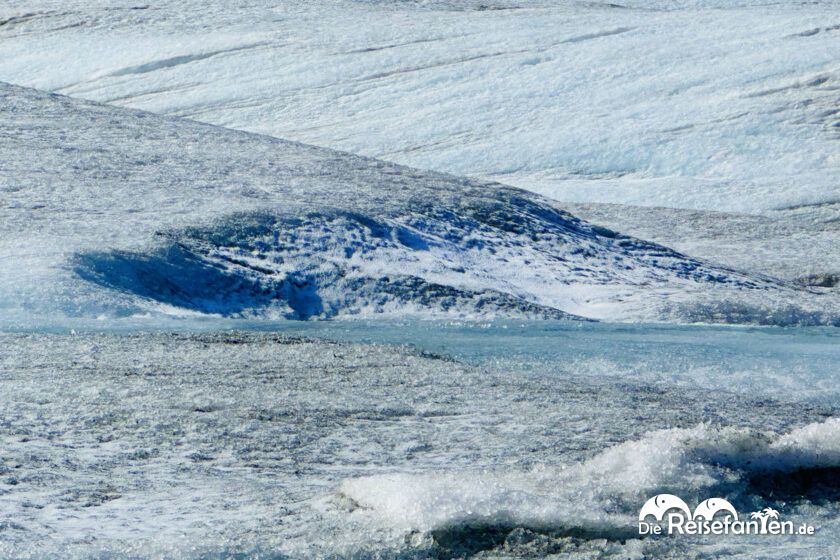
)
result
[(796, 244), (234, 444), (114, 213), (724, 106), (493, 200), (725, 110)]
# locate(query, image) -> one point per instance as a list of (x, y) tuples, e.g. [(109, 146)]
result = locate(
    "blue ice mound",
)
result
[(476, 256)]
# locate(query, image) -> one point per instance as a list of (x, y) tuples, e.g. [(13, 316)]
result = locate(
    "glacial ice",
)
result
[(505, 439), (725, 106), (232, 444), (600, 497), (113, 212)]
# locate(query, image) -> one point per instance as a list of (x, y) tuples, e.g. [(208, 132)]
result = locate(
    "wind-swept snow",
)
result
[(118, 212)]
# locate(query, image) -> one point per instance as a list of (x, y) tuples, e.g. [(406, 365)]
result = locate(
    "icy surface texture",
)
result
[(116, 212), (798, 244), (258, 445), (725, 106)]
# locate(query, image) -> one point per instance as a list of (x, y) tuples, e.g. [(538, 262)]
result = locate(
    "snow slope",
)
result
[(725, 106), (119, 212)]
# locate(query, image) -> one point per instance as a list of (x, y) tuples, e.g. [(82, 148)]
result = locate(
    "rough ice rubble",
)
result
[(236, 444), (601, 496), (118, 212), (719, 106)]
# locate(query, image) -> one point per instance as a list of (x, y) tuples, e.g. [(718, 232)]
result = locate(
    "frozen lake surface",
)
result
[(478, 440)]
